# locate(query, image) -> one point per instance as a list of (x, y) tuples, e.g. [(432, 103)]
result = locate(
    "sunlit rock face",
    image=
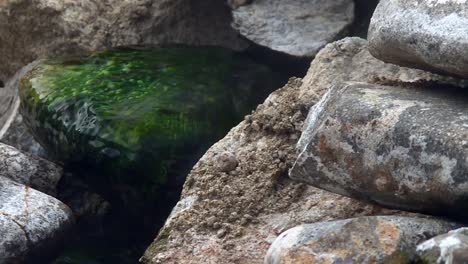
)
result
[(140, 115)]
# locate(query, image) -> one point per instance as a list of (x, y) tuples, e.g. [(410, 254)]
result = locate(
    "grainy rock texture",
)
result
[(382, 239), (30, 222), (232, 217), (35, 172), (451, 248), (30, 29), (402, 147), (300, 28), (426, 34)]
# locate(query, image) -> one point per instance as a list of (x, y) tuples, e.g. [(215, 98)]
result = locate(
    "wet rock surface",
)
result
[(32, 224), (39, 28), (135, 114), (234, 216), (451, 248), (426, 34), (299, 28), (402, 147), (381, 239)]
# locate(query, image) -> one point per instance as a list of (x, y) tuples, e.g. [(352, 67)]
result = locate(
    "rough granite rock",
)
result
[(35, 172), (425, 34), (296, 27), (401, 147), (451, 248), (31, 29), (31, 223), (381, 239), (234, 216)]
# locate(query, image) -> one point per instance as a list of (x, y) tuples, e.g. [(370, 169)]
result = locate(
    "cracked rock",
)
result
[(31, 223)]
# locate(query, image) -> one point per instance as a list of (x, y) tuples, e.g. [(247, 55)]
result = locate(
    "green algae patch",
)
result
[(140, 116)]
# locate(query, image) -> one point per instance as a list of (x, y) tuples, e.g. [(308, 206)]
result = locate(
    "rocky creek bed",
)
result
[(136, 131)]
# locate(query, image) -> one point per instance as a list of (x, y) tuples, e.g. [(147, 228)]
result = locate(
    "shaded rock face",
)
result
[(299, 28), (402, 147), (426, 34), (381, 239), (451, 248), (31, 223), (36, 172), (232, 216), (39, 28)]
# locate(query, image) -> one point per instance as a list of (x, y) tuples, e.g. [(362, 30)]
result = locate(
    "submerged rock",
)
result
[(31, 223), (299, 28), (402, 147), (140, 116), (451, 248), (381, 239), (425, 34), (252, 204)]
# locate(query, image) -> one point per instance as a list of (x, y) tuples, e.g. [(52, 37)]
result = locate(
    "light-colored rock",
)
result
[(32, 171), (382, 239), (257, 201), (296, 27), (401, 147), (451, 248), (31, 223), (31, 29), (13, 131), (426, 34)]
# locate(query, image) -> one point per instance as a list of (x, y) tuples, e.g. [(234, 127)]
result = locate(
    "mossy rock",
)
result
[(140, 116)]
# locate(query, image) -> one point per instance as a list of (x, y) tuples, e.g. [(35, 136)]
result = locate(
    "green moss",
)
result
[(139, 115)]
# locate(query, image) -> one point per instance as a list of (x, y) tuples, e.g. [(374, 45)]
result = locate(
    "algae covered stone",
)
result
[(137, 113)]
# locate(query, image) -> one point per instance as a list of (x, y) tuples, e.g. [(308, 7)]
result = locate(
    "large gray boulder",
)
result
[(402, 147), (381, 239), (31, 223), (296, 27), (425, 34), (238, 198), (450, 248), (31, 29)]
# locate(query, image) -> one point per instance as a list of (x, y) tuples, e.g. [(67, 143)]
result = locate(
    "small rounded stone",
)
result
[(227, 162)]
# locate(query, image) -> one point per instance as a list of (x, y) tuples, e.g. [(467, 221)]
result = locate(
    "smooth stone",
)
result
[(401, 147), (32, 171), (296, 27), (451, 248), (425, 34), (32, 224), (380, 239)]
